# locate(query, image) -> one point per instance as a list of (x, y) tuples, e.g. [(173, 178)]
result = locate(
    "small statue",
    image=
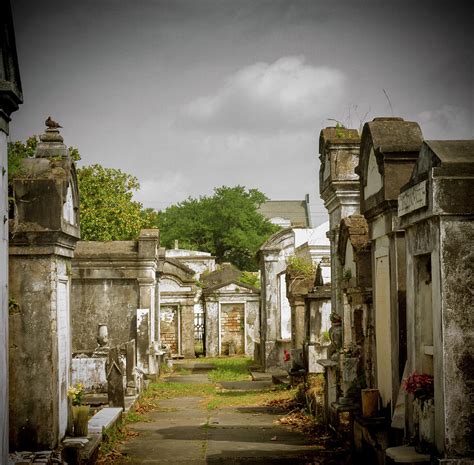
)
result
[(51, 124)]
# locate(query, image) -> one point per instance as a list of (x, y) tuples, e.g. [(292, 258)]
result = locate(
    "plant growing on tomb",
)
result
[(250, 278), (299, 267)]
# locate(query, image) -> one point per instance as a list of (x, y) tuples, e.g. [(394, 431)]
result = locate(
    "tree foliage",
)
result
[(108, 211), (226, 224)]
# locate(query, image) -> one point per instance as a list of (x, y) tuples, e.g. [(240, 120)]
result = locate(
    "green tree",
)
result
[(226, 224), (108, 211)]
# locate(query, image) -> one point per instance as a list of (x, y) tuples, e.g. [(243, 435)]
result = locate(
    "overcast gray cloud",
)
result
[(285, 95), (192, 94)]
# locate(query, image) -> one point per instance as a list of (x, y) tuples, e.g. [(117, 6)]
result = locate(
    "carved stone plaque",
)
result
[(412, 199)]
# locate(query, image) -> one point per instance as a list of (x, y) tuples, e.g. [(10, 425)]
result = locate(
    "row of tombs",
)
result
[(397, 249), (399, 381), (107, 314)]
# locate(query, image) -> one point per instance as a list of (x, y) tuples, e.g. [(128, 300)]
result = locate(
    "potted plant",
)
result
[(421, 386), (80, 413)]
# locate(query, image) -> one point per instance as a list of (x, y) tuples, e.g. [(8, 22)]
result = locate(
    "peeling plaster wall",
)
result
[(34, 358), (457, 268)]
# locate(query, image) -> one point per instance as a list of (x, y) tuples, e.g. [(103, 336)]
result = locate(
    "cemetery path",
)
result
[(182, 431)]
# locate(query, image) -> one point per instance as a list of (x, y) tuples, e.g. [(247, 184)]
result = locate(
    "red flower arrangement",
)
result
[(419, 384)]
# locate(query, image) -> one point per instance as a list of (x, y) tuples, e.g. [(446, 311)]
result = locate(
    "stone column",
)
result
[(339, 188), (297, 290), (148, 243), (211, 312), (187, 328), (146, 325), (10, 99), (44, 235)]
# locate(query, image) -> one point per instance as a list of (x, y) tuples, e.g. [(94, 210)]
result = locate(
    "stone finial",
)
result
[(51, 143)]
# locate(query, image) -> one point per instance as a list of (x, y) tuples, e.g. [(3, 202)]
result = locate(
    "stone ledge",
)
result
[(406, 454), (104, 419)]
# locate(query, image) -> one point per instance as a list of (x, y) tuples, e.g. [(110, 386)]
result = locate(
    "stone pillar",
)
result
[(339, 188), (187, 329), (42, 243), (10, 99), (297, 290), (148, 243), (211, 311)]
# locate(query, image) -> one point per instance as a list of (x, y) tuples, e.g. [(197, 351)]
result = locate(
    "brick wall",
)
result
[(232, 327)]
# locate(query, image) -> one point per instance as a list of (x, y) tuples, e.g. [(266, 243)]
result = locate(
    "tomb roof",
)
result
[(453, 157), (227, 273), (294, 211), (337, 135), (452, 151), (390, 134)]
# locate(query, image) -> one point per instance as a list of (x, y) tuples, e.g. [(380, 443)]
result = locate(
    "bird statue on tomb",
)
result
[(51, 124)]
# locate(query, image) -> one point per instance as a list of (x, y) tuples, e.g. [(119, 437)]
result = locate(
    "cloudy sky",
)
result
[(188, 95)]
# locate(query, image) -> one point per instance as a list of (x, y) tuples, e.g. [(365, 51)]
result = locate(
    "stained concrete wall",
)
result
[(457, 354), (34, 354), (102, 301)]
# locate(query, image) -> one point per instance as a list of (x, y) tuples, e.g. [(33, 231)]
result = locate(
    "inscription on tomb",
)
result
[(412, 199)]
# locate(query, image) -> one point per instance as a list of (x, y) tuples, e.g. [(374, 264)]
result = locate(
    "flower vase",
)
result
[(80, 419), (423, 416)]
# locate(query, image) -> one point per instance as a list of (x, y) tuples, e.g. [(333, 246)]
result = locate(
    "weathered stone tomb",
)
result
[(231, 309), (115, 283), (43, 237), (436, 210)]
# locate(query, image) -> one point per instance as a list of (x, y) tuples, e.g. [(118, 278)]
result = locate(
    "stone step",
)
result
[(105, 418), (260, 376), (246, 386)]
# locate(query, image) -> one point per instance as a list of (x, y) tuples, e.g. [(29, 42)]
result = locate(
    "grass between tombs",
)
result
[(226, 369)]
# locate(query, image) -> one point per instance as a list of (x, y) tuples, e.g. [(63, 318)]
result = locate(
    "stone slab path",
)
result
[(183, 432)]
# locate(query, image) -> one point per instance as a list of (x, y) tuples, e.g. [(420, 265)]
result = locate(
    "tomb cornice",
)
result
[(42, 243)]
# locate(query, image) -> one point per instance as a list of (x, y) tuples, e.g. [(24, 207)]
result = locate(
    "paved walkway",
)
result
[(183, 432)]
